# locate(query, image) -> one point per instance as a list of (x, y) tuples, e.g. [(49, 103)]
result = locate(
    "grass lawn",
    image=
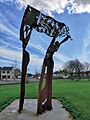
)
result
[(75, 95)]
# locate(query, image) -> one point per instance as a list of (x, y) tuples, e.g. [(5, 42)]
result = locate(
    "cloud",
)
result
[(4, 62), (79, 6), (86, 46), (6, 27), (46, 5), (10, 54), (73, 6), (61, 57)]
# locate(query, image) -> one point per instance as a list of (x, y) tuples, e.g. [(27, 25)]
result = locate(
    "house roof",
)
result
[(0, 68), (7, 68), (56, 72), (17, 70)]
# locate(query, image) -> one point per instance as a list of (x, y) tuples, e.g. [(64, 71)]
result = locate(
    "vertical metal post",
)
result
[(39, 104), (49, 85), (25, 61), (22, 91)]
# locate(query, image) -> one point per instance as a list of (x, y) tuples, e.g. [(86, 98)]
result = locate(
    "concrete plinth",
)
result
[(30, 110)]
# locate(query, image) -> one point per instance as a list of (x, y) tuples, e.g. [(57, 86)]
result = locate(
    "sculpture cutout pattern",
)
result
[(34, 19)]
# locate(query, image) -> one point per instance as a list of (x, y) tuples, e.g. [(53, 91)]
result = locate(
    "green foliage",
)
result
[(70, 108), (75, 96), (7, 94)]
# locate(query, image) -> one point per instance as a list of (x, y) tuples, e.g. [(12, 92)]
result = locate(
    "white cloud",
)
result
[(79, 6), (17, 55), (61, 57), (38, 47), (6, 27), (57, 67), (47, 5), (7, 30), (73, 6), (86, 46), (10, 54), (4, 62)]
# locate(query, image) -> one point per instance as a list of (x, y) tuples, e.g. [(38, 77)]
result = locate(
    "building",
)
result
[(7, 73), (83, 74), (17, 73), (57, 75)]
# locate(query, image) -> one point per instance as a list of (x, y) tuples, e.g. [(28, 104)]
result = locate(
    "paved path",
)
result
[(30, 109)]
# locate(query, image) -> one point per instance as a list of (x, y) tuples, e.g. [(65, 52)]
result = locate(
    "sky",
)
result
[(74, 13)]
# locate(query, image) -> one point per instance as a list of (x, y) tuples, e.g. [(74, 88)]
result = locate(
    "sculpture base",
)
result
[(30, 110)]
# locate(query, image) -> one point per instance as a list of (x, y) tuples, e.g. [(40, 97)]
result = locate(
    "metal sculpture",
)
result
[(45, 93), (35, 19)]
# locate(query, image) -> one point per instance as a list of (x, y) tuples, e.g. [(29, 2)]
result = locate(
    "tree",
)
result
[(78, 66), (87, 68), (74, 66), (16, 72), (70, 67), (63, 73)]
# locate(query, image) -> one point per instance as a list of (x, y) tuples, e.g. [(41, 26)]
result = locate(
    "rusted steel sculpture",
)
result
[(45, 93), (35, 19)]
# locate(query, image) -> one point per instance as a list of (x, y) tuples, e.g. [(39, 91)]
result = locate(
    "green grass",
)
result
[(75, 96)]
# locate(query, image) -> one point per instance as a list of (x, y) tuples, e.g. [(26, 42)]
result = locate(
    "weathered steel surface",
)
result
[(43, 23), (35, 19), (45, 93), (24, 70)]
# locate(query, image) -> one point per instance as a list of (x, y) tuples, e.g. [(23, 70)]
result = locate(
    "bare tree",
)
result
[(16, 72), (87, 68), (64, 73), (74, 66), (70, 67), (78, 68)]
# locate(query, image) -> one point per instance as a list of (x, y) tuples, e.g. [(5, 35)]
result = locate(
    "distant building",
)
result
[(83, 74), (7, 73), (29, 75), (17, 73), (56, 74)]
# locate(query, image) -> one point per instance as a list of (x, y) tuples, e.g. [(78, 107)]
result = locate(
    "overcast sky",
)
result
[(74, 13)]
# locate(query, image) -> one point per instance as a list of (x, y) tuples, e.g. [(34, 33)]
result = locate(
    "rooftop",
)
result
[(7, 68), (0, 68)]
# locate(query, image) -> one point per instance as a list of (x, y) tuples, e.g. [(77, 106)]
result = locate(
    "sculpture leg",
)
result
[(49, 99), (49, 78), (24, 70), (43, 98), (39, 105), (22, 95)]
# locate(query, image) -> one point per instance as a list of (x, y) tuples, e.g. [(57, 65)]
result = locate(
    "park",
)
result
[(75, 96)]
